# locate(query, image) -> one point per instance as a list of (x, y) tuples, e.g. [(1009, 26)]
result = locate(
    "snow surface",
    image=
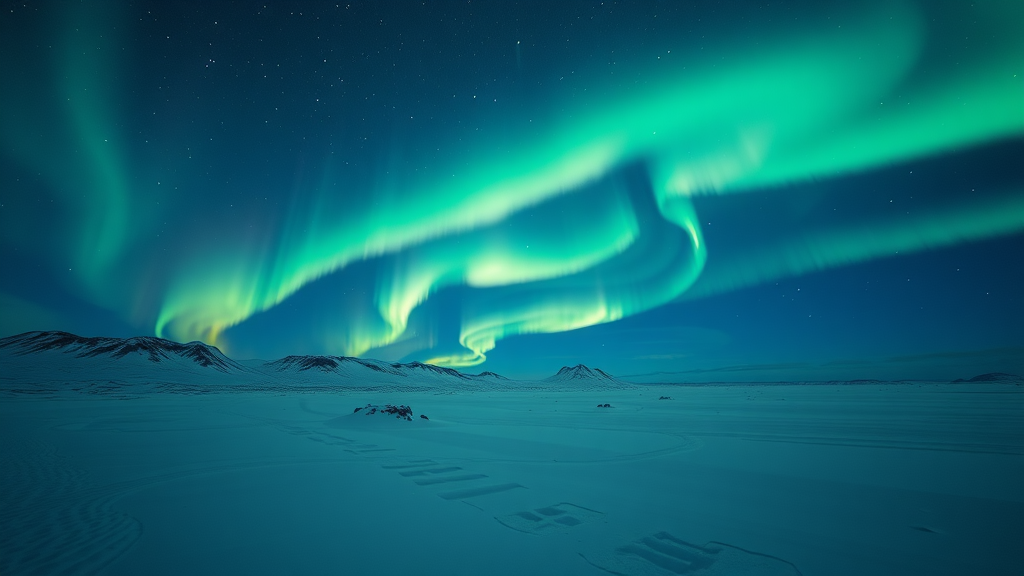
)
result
[(258, 472)]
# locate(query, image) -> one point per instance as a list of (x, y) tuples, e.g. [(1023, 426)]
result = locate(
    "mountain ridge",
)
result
[(153, 349), (160, 351), (119, 358)]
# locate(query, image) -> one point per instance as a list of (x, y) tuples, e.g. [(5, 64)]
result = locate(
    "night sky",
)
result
[(670, 191)]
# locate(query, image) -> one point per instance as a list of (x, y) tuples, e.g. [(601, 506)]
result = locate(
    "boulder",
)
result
[(401, 412)]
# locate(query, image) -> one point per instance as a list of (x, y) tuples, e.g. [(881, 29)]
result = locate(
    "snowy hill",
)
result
[(326, 364), (490, 375), (60, 347), (324, 369)]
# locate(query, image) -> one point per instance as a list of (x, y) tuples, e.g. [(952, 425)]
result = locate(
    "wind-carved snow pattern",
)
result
[(433, 474), (456, 483), (426, 472), (453, 481), (662, 554), (552, 519), (53, 520)]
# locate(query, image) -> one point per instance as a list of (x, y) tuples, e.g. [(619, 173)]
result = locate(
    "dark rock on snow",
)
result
[(401, 412)]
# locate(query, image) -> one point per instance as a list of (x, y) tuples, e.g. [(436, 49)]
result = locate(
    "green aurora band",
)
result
[(74, 142), (612, 186)]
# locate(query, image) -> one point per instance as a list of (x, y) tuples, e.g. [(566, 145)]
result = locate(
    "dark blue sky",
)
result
[(695, 192)]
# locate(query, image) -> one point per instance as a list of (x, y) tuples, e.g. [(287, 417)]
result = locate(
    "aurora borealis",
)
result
[(438, 182)]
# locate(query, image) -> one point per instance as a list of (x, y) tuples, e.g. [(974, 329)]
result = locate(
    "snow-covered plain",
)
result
[(131, 466)]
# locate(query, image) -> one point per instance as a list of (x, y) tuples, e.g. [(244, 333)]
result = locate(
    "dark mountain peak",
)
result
[(581, 372), (205, 356), (491, 375), (152, 348)]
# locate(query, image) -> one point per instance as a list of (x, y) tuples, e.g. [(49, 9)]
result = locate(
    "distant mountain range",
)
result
[(348, 366), (36, 362), (51, 356), (992, 377)]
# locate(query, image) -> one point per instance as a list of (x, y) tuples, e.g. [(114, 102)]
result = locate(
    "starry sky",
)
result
[(670, 191)]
